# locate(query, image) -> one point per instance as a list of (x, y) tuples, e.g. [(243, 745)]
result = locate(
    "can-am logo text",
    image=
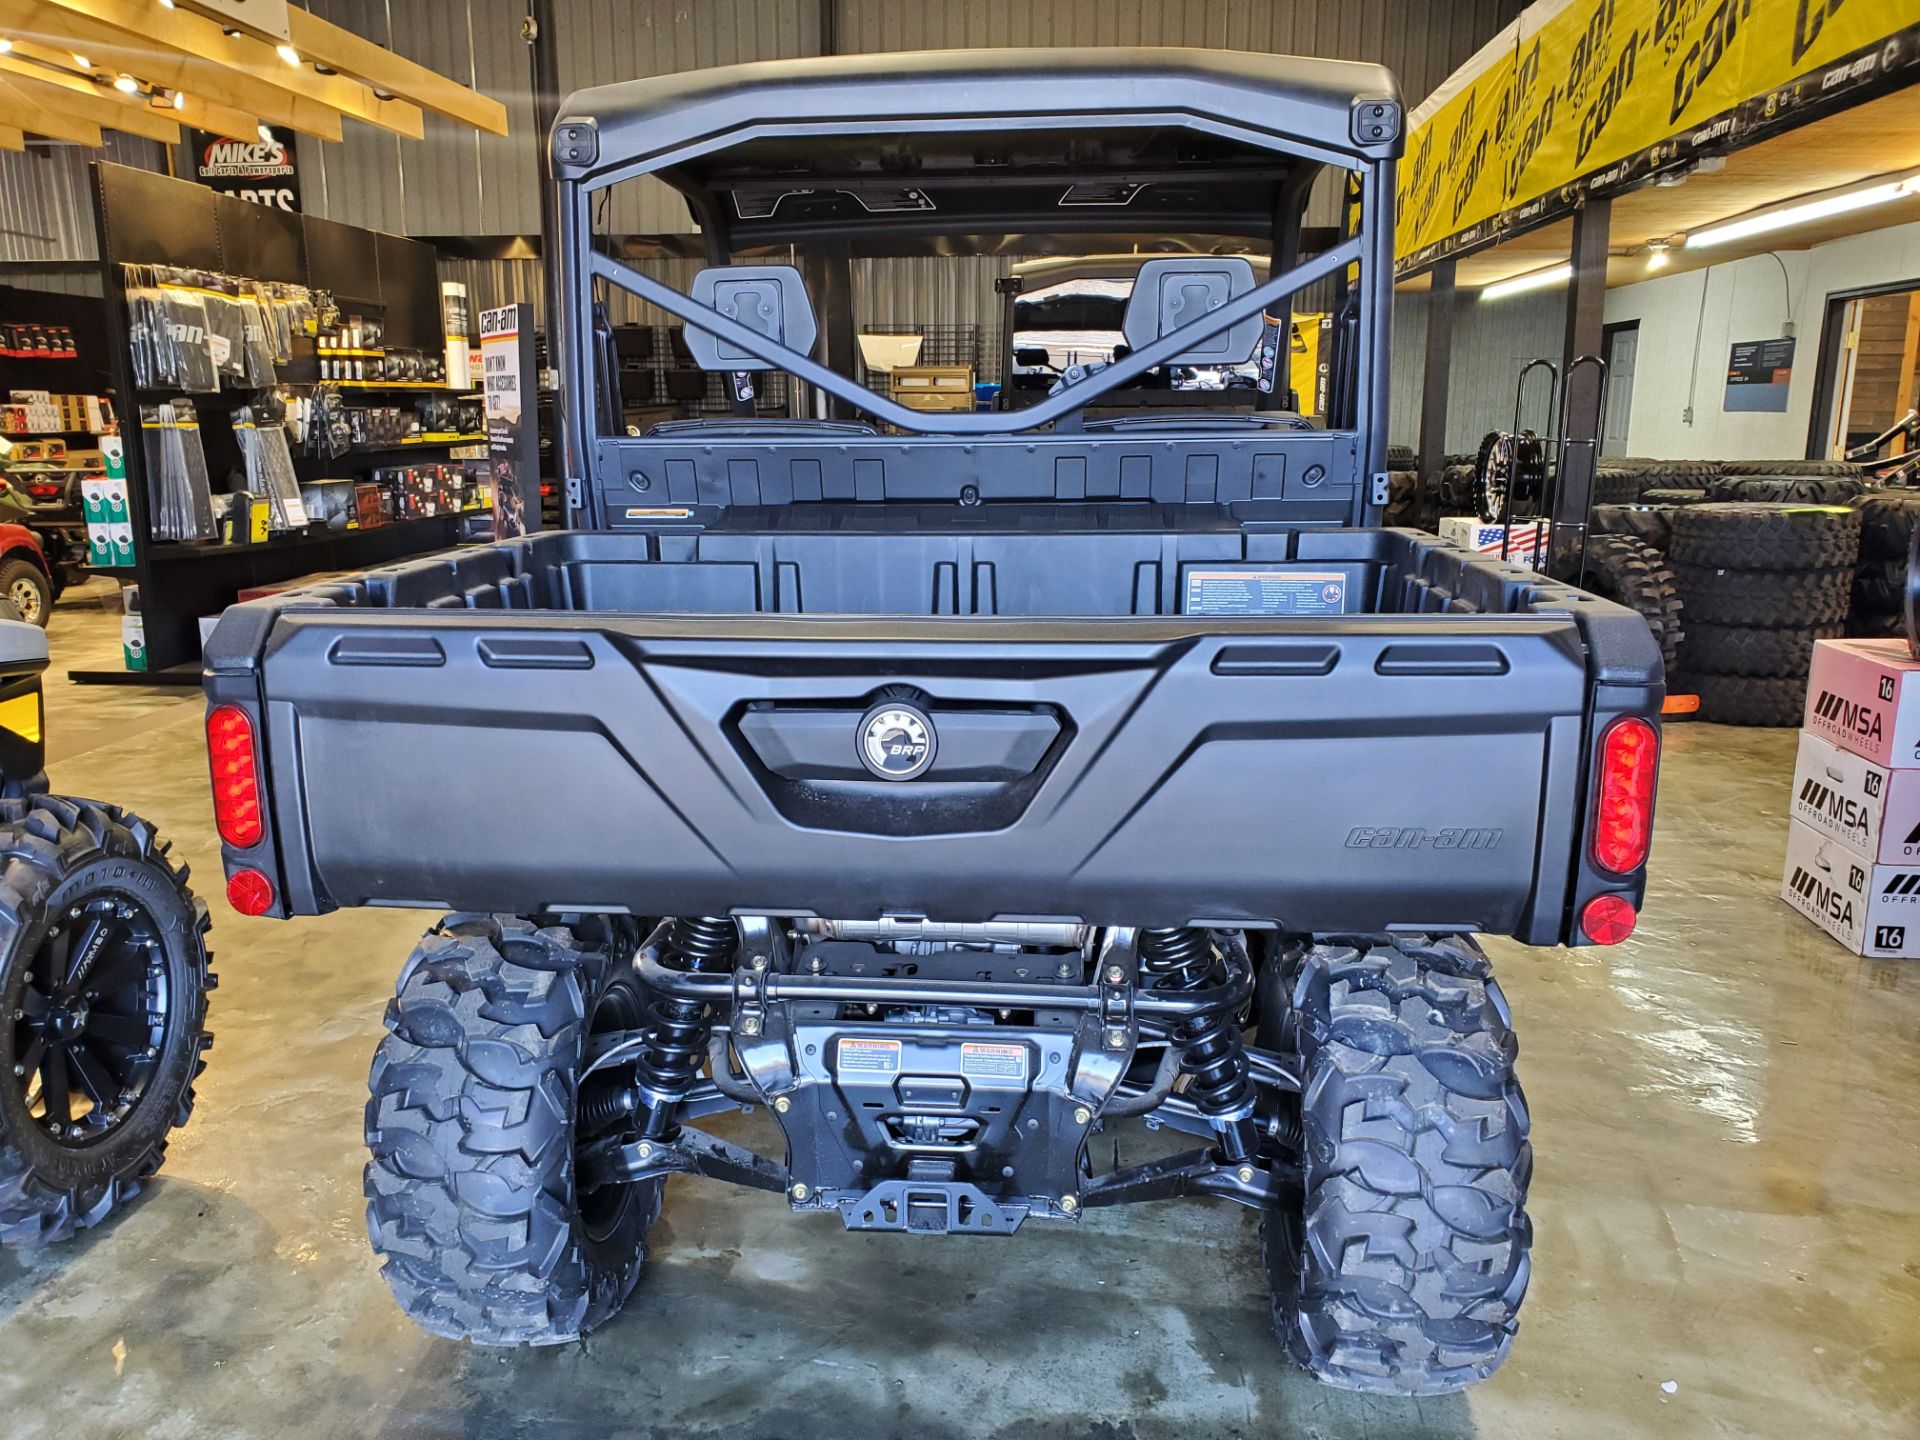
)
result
[(1403, 837)]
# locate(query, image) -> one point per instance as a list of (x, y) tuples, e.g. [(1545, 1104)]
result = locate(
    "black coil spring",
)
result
[(678, 1030), (1219, 1077)]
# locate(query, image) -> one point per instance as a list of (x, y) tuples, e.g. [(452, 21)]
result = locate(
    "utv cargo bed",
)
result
[(672, 724)]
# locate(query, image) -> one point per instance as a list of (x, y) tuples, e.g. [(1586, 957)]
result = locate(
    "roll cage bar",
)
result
[(664, 127)]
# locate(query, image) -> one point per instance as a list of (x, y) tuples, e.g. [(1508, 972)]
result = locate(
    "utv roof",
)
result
[(1093, 140)]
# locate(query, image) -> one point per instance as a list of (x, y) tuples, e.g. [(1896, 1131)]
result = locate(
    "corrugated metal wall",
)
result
[(46, 212), (1491, 341), (460, 183)]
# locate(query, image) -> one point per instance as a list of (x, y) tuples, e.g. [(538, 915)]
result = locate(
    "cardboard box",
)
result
[(1470, 532), (1864, 696), (1864, 806), (133, 630), (1873, 910)]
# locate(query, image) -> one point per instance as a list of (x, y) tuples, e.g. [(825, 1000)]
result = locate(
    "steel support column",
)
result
[(1580, 414), (1442, 301)]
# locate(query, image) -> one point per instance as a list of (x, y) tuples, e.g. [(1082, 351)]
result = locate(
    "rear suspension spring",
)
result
[(678, 1030), (1219, 1080)]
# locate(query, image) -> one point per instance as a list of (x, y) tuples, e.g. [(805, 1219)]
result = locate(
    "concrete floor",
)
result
[(1726, 1201)]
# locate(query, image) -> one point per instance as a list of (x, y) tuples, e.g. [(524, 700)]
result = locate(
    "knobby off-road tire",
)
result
[(471, 1194), (1681, 496), (1613, 486), (1887, 519), (1748, 700), (27, 590), (1831, 468), (1649, 524), (1880, 586), (1787, 489), (1754, 536), (1403, 1270), (1764, 597), (1636, 575), (143, 989), (1756, 650)]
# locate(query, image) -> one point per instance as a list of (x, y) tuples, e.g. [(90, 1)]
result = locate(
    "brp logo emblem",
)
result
[(896, 741)]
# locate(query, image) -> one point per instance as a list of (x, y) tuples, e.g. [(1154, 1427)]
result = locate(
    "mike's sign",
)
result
[(260, 168)]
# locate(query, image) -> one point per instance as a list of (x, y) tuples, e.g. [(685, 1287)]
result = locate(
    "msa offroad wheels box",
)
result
[(1873, 910)]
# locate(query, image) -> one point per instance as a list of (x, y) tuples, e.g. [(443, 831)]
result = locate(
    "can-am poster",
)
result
[(260, 169)]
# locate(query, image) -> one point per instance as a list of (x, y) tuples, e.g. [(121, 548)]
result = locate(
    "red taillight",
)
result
[(236, 777), (250, 892), (1608, 919), (1623, 813)]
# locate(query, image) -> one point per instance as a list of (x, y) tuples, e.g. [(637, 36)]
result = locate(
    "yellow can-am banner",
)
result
[(1580, 95)]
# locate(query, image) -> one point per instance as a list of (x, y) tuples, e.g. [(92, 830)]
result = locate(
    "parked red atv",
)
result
[(26, 577)]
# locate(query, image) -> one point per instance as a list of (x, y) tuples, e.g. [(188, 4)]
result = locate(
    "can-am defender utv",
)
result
[(962, 785)]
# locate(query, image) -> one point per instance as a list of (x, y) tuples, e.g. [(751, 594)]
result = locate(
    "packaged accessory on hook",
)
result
[(329, 427), (172, 318), (226, 327), (178, 497), (263, 442), (257, 353)]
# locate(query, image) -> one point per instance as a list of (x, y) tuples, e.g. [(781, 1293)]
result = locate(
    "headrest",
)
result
[(1179, 289), (769, 298)]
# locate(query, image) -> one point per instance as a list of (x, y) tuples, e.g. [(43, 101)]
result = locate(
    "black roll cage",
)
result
[(620, 133)]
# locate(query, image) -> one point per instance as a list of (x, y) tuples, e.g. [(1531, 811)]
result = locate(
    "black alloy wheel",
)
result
[(91, 1020)]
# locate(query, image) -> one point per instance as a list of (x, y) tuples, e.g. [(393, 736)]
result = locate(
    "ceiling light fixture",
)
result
[(1533, 280), (83, 62), (288, 54), (166, 4), (1804, 213), (127, 85), (266, 135), (1659, 254), (179, 99), (5, 45)]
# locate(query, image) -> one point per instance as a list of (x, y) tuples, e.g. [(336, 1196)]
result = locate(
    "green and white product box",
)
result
[(133, 630), (109, 525)]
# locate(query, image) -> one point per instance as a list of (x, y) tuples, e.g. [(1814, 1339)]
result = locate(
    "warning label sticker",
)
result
[(993, 1062), (1266, 592), (639, 513), (869, 1057)]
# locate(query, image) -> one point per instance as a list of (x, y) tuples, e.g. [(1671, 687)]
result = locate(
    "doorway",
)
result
[(1619, 343), (1869, 367)]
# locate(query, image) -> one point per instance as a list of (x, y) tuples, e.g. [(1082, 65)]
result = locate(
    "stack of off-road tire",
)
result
[(1761, 580), (1887, 520), (1629, 571), (1412, 501)]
